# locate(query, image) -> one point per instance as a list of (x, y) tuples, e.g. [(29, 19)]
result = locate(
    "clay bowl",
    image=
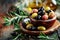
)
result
[(47, 23)]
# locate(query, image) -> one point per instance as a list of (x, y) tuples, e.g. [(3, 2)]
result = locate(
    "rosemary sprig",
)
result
[(10, 21), (19, 35), (44, 37), (58, 2), (15, 18), (17, 12)]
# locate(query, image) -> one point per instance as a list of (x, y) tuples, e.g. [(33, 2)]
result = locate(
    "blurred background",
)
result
[(5, 4)]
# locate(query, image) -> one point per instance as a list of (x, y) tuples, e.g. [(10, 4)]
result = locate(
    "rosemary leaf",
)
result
[(16, 26)]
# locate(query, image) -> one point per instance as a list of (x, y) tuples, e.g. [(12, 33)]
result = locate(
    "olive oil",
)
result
[(32, 4), (50, 4)]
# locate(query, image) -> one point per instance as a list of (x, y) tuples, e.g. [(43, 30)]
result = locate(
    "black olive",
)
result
[(38, 17), (33, 28), (40, 9), (41, 13)]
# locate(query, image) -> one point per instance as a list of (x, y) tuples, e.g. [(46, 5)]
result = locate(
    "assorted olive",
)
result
[(29, 26), (45, 17), (34, 15), (39, 14), (42, 13), (32, 27), (35, 10), (47, 8)]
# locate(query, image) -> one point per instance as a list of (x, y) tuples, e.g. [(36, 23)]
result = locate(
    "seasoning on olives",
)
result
[(34, 15), (38, 17), (41, 28)]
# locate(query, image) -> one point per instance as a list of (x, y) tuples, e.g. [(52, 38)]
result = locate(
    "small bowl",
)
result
[(47, 23)]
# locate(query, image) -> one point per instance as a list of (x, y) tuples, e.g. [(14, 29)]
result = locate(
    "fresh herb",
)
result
[(19, 35), (13, 20), (42, 36), (16, 16), (17, 12), (58, 2)]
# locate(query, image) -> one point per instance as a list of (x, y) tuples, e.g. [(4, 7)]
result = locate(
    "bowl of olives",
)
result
[(27, 27), (43, 16), (40, 20)]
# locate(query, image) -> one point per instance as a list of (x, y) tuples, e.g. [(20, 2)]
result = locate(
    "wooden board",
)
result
[(49, 30), (54, 27)]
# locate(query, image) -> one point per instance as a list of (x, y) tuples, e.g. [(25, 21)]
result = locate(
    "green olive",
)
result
[(41, 28), (34, 15), (47, 8), (29, 26)]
